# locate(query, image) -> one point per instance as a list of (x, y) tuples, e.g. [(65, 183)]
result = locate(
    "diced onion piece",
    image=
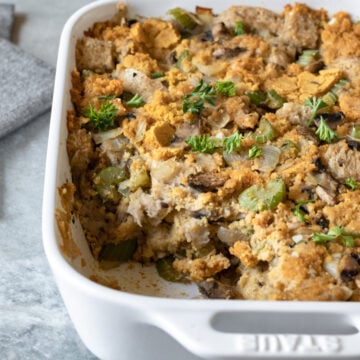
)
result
[(270, 158), (100, 137), (297, 238)]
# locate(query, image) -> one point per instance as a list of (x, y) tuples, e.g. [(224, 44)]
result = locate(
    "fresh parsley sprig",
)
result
[(226, 88), (336, 232), (324, 132), (103, 118), (232, 142), (207, 144), (239, 28), (135, 101), (254, 152), (201, 143), (195, 101), (316, 105), (351, 183), (299, 212)]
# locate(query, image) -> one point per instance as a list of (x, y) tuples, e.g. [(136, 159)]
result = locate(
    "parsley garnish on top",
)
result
[(135, 101), (201, 143), (104, 117), (351, 183), (239, 28), (336, 232), (324, 132), (254, 152), (232, 142), (299, 212), (316, 105), (194, 102)]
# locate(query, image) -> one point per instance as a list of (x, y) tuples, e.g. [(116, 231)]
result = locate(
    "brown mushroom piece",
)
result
[(333, 120), (229, 53), (207, 181), (349, 267), (341, 161), (214, 289)]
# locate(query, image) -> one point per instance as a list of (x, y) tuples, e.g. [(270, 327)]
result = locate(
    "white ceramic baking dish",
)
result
[(108, 320)]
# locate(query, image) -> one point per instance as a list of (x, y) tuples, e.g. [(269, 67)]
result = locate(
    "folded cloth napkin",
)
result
[(6, 20), (26, 84)]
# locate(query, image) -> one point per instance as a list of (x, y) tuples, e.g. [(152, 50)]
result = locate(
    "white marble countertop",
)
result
[(33, 321)]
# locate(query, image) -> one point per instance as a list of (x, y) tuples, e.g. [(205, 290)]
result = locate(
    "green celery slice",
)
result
[(106, 180), (258, 197), (166, 270), (122, 251), (264, 132)]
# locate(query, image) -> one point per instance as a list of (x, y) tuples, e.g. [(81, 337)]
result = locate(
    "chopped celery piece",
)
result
[(270, 98), (264, 132), (183, 56), (274, 100), (185, 19), (106, 180), (122, 251), (355, 132), (267, 197), (307, 56), (330, 98), (166, 271), (257, 97)]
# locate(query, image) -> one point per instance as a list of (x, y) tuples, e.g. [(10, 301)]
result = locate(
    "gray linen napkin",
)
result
[(6, 20), (26, 83)]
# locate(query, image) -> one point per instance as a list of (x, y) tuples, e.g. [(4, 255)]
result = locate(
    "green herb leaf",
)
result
[(194, 102), (232, 142), (324, 132), (255, 151), (316, 105), (299, 212), (104, 117), (157, 75), (336, 232), (351, 183), (239, 28), (226, 88), (135, 101), (107, 97), (201, 143)]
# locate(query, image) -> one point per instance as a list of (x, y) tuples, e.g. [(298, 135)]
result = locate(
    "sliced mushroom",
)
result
[(342, 162), (229, 53), (349, 267), (331, 119), (216, 290), (207, 182)]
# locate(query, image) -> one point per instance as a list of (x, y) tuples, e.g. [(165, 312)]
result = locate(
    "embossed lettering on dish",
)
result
[(288, 343)]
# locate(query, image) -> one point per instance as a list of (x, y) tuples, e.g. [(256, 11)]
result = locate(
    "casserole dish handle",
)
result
[(213, 335)]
